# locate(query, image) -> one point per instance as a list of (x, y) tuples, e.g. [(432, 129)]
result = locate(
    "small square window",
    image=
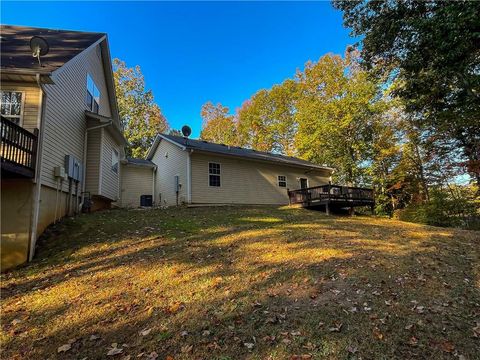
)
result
[(214, 174), (282, 181)]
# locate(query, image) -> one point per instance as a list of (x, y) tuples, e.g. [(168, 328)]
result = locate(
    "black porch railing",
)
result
[(343, 195), (18, 149)]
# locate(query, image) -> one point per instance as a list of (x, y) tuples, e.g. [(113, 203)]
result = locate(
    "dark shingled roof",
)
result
[(140, 161), (242, 152), (64, 45)]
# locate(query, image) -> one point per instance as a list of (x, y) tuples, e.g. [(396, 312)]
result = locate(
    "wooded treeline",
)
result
[(402, 114)]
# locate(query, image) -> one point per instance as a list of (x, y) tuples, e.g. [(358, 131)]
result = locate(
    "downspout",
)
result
[(189, 176), (38, 175), (154, 174), (85, 143)]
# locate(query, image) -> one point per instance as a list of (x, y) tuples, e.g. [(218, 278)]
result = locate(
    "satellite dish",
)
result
[(39, 47), (186, 131)]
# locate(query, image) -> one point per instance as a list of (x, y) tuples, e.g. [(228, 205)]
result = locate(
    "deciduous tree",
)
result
[(141, 117)]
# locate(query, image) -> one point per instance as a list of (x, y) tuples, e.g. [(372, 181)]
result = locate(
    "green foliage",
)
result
[(141, 117), (432, 50), (218, 126), (454, 206)]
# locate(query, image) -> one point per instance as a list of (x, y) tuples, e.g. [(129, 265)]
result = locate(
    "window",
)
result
[(115, 161), (282, 181), (11, 106), (93, 95), (214, 174)]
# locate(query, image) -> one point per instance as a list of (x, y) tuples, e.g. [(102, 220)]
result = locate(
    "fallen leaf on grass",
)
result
[(64, 348), (16, 321), (249, 346), (94, 337), (409, 327), (145, 332), (377, 333), (114, 351), (352, 349), (153, 355), (187, 348), (336, 327), (301, 357), (476, 330)]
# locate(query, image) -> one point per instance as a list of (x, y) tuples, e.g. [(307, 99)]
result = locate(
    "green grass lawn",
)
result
[(244, 283)]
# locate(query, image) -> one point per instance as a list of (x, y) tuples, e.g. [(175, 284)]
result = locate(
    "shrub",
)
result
[(455, 206)]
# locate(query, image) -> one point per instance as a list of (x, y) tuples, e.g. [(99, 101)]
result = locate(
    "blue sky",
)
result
[(191, 53)]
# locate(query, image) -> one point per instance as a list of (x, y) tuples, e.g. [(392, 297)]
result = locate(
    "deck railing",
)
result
[(330, 193), (18, 148)]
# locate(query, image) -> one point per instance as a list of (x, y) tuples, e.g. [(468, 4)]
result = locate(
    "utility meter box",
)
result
[(73, 168), (59, 172)]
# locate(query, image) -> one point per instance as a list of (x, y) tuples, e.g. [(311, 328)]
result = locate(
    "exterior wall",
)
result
[(31, 102), (245, 181), (136, 181), (92, 175), (167, 167), (16, 217), (65, 107), (49, 200), (109, 186)]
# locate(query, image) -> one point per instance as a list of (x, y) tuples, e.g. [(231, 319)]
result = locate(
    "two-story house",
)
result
[(61, 134)]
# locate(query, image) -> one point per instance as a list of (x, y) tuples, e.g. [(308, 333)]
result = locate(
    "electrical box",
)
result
[(73, 168), (59, 172)]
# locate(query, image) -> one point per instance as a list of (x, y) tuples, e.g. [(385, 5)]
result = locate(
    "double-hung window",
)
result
[(12, 106), (282, 181), (93, 95), (213, 174)]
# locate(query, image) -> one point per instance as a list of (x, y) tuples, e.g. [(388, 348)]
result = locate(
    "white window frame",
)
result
[(95, 98), (283, 181), (219, 174), (22, 106), (116, 164), (300, 181)]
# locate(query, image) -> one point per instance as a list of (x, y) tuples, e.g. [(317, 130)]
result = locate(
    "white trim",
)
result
[(285, 181), (219, 175), (22, 106), (156, 142), (189, 177)]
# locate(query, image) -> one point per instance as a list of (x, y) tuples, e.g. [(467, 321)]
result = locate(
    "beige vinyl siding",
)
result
[(31, 102), (92, 175), (167, 168), (245, 181), (136, 181), (109, 178), (64, 111)]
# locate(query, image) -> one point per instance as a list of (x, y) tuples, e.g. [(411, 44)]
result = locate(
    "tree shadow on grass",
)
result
[(281, 287)]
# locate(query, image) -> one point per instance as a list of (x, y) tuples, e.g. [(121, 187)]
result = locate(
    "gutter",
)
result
[(38, 170), (84, 160)]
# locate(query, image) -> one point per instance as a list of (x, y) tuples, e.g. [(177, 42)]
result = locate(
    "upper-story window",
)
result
[(213, 174), (93, 95), (12, 106), (115, 159)]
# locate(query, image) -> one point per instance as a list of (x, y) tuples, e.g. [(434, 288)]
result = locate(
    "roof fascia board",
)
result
[(108, 71), (156, 142), (305, 167)]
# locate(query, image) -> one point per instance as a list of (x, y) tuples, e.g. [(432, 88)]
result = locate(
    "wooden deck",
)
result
[(332, 196), (18, 150)]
